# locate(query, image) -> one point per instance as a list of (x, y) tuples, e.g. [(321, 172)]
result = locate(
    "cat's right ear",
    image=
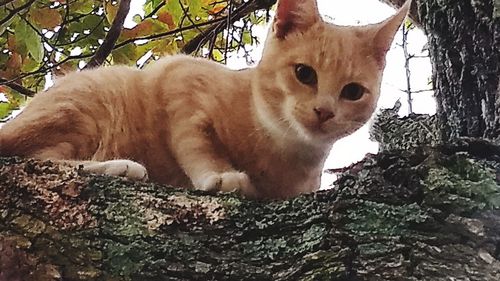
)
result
[(294, 15)]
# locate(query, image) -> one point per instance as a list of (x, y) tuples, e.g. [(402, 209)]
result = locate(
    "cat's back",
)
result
[(98, 81), (78, 106), (179, 72)]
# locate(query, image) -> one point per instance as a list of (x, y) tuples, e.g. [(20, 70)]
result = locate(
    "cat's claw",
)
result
[(121, 167), (227, 182)]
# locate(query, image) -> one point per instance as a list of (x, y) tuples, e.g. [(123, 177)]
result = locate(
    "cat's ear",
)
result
[(294, 15), (386, 32)]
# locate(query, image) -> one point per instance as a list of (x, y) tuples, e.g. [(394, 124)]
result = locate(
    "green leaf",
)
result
[(247, 37), (174, 9), (27, 36), (5, 109), (3, 14), (194, 7), (218, 56), (150, 5), (82, 6), (29, 65), (125, 55)]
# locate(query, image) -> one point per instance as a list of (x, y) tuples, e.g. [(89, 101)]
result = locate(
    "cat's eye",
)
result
[(306, 74), (352, 91)]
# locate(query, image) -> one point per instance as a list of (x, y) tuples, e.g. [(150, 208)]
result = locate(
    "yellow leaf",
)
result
[(216, 9), (110, 10), (46, 17)]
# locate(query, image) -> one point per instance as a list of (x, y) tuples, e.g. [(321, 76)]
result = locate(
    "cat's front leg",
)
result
[(225, 181), (193, 146)]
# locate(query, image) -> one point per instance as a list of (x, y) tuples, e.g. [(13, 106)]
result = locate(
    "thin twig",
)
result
[(244, 9), (418, 91), (407, 68), (17, 87), (228, 23), (153, 12), (167, 33), (3, 3), (13, 12), (111, 37)]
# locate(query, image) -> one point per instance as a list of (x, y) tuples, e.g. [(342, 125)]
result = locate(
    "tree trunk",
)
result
[(464, 45), (426, 215)]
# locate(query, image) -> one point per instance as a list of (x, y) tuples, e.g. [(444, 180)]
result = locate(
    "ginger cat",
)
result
[(264, 132)]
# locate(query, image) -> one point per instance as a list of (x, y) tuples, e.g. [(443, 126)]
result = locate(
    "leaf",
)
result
[(137, 18), (150, 5), (46, 17), (194, 7), (30, 39), (166, 18), (217, 55), (142, 29), (175, 10), (15, 61), (164, 47), (82, 6), (214, 6), (5, 109), (3, 14), (125, 55), (247, 37), (29, 65), (110, 10)]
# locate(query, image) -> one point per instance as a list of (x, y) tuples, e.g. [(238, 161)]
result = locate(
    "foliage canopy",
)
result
[(40, 37)]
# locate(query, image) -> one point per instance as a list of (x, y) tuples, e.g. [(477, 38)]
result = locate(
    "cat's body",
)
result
[(265, 131)]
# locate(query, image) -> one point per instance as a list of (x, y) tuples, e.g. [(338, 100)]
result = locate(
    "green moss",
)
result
[(384, 219), (462, 183)]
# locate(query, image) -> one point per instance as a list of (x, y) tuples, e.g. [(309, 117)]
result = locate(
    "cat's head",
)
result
[(316, 80)]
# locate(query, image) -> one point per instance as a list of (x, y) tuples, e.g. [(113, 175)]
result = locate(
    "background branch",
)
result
[(244, 9), (111, 37), (14, 11), (17, 87)]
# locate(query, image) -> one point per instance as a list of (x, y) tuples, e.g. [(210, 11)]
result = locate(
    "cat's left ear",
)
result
[(386, 32), (294, 15)]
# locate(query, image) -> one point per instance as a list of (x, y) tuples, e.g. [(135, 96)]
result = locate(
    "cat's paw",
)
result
[(227, 182), (120, 167)]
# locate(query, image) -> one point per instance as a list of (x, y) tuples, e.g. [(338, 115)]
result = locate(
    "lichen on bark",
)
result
[(400, 215)]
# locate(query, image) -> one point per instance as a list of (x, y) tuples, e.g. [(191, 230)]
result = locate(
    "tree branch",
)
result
[(3, 3), (241, 11), (13, 12), (110, 40), (17, 87), (170, 32)]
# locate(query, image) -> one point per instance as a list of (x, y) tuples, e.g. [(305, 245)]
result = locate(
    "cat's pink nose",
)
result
[(323, 114)]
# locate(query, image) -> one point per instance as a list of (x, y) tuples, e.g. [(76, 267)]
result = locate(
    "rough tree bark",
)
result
[(464, 42), (464, 45), (430, 214)]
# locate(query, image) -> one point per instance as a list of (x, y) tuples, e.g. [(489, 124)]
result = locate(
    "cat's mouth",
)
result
[(318, 129)]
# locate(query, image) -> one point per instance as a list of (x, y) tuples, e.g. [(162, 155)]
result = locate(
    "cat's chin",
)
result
[(314, 135)]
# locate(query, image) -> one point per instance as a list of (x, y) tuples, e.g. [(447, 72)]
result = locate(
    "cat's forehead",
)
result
[(327, 45), (335, 39)]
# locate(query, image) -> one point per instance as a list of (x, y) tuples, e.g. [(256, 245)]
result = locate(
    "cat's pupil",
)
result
[(306, 74), (352, 91)]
